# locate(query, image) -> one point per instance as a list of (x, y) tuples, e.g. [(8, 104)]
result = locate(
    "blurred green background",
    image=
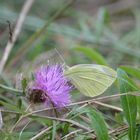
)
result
[(72, 31), (111, 28)]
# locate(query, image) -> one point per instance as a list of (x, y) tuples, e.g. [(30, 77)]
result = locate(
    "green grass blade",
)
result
[(54, 130), (135, 72), (98, 125), (129, 102), (92, 54), (13, 90)]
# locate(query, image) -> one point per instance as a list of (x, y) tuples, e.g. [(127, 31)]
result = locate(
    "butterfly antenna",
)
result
[(64, 64)]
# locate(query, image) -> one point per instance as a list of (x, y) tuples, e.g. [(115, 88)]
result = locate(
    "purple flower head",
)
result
[(54, 86)]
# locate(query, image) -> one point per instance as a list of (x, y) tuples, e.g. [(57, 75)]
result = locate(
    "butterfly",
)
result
[(91, 79)]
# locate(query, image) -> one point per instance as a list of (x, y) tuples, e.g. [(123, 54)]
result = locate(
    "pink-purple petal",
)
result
[(52, 81)]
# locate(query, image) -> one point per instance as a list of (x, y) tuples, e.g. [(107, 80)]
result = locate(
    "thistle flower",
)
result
[(51, 86)]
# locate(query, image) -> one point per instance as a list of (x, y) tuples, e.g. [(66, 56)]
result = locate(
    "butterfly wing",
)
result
[(91, 79)]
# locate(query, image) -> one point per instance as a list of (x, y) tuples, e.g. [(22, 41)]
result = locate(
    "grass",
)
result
[(71, 33)]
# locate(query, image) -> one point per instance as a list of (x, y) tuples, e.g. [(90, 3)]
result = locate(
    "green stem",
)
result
[(10, 89)]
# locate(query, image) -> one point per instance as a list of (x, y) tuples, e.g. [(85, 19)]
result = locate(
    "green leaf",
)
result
[(53, 130), (91, 79), (24, 84), (135, 72), (98, 125), (92, 54), (19, 103), (42, 121), (129, 102), (103, 18), (25, 135), (10, 89), (11, 107), (66, 128), (138, 133)]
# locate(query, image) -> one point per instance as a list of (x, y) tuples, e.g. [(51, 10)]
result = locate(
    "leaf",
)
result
[(92, 54), (66, 128), (138, 133), (53, 130), (98, 125), (91, 79), (11, 107), (103, 19), (42, 121), (25, 135), (24, 84), (19, 103), (11, 89), (135, 72), (129, 102)]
